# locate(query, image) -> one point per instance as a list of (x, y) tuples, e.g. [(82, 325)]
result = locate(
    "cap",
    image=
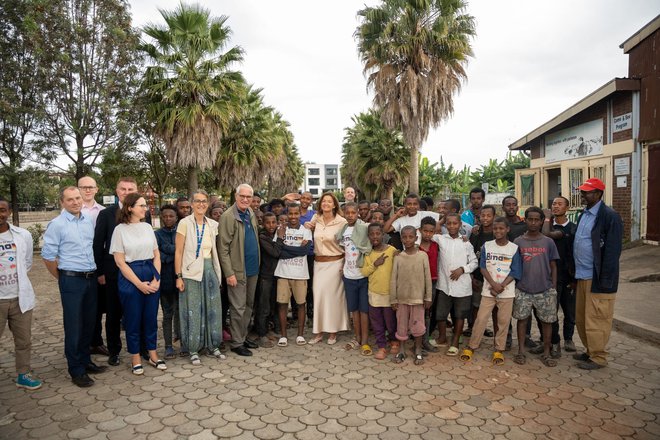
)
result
[(592, 185)]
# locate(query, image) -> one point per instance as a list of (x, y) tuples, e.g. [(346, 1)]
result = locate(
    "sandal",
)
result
[(498, 358), (399, 358), (158, 364), (419, 360), (316, 339), (467, 354), (548, 361), (195, 360), (381, 354), (452, 351), (300, 340), (332, 340), (352, 345), (520, 359), (218, 354), (137, 369), (283, 342), (366, 350)]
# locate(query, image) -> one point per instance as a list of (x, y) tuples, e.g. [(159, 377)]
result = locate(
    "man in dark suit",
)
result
[(107, 269)]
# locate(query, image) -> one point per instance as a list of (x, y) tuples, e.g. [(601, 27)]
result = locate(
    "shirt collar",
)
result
[(594, 209), (554, 222)]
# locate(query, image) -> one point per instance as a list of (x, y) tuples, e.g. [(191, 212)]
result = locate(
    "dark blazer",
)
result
[(105, 226), (606, 241)]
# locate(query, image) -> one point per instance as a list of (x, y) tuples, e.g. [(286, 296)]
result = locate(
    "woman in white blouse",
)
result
[(136, 253)]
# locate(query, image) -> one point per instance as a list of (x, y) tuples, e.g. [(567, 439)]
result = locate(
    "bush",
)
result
[(37, 231)]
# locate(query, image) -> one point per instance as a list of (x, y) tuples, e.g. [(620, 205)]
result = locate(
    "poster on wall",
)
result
[(575, 142)]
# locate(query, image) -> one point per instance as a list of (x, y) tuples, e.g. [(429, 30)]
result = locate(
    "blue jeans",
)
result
[(140, 310), (79, 301)]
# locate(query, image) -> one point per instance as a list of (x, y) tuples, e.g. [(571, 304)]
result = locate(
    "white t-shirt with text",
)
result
[(8, 272), (351, 269), (294, 268)]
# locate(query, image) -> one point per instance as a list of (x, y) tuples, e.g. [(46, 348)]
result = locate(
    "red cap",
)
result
[(592, 185)]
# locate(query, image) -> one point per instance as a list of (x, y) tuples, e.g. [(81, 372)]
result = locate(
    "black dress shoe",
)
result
[(590, 365), (83, 381), (113, 360), (581, 357), (242, 351), (250, 344), (99, 349), (95, 369)]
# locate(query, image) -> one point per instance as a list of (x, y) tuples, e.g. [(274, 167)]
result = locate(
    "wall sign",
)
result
[(622, 166), (621, 122), (575, 142)]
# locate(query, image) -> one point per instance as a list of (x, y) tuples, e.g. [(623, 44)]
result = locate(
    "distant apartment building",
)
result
[(320, 178)]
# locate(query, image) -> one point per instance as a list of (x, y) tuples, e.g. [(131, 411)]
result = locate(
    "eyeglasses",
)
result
[(200, 202), (86, 188)]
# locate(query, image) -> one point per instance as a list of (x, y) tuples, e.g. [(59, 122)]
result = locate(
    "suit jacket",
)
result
[(105, 226)]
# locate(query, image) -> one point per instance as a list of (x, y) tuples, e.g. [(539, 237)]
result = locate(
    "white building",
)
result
[(320, 178)]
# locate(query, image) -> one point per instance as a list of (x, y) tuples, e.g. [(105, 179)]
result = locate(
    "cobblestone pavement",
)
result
[(321, 391)]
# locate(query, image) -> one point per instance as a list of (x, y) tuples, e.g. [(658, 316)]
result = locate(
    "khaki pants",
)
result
[(593, 319), (241, 302), (20, 325), (504, 308)]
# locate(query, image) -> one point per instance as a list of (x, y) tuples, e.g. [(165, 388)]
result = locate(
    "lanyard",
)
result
[(200, 237)]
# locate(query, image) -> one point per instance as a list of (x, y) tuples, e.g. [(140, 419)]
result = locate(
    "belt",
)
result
[(326, 258), (70, 273)]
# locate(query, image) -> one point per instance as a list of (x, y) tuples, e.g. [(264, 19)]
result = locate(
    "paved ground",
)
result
[(315, 392)]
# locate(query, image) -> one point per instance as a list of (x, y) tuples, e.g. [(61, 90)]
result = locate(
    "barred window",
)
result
[(575, 179)]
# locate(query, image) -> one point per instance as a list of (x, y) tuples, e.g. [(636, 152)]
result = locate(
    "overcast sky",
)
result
[(532, 60)]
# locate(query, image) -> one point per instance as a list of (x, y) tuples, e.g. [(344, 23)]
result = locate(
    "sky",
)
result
[(532, 60)]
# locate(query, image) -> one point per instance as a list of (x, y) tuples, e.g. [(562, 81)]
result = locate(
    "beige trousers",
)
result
[(593, 319), (20, 325), (504, 308)]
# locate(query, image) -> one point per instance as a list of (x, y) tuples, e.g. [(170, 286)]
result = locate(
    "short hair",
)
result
[(293, 205), (256, 194), (478, 191), (124, 215), (534, 209), (408, 228), (350, 205), (362, 202), (501, 219), (568, 203), (454, 214), (244, 185), (202, 192), (491, 207), (428, 200), (374, 225), (269, 214), (509, 197), (2, 199), (284, 214), (422, 205), (274, 202), (168, 206), (454, 204), (428, 220), (67, 188), (181, 199), (412, 196), (128, 179)]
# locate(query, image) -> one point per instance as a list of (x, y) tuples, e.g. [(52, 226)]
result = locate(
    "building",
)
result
[(320, 178), (612, 134)]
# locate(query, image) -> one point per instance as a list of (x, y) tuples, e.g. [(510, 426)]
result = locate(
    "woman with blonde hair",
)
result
[(330, 310), (198, 278)]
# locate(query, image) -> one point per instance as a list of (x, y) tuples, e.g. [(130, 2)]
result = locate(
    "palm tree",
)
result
[(414, 53), (190, 92), (375, 157)]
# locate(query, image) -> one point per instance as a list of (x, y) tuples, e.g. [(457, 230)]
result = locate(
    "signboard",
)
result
[(622, 122), (621, 182), (575, 142), (622, 166)]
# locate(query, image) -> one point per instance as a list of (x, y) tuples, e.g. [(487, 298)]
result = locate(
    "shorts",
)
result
[(357, 294), (545, 304), (286, 286), (462, 306), (410, 320)]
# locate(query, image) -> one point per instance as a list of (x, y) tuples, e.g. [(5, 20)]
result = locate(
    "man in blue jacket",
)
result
[(596, 250)]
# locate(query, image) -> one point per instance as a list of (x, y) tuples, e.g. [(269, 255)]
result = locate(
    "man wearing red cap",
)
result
[(597, 248)]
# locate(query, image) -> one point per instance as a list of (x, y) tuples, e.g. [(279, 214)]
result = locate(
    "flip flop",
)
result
[(498, 358), (452, 351), (366, 350), (300, 340), (352, 345), (548, 361), (520, 359), (282, 342), (332, 341), (316, 339), (466, 356)]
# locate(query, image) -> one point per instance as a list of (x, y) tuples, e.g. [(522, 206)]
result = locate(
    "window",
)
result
[(575, 179), (599, 172), (527, 189), (331, 182), (314, 181), (331, 171), (314, 191), (314, 172)]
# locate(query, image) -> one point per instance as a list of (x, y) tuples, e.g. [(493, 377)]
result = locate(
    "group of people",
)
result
[(215, 270)]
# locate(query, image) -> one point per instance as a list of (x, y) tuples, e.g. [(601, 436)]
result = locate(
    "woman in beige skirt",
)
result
[(330, 311)]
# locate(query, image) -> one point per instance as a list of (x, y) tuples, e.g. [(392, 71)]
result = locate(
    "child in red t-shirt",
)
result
[(431, 248)]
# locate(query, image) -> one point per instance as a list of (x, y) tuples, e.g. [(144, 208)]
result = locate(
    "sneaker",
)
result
[(428, 347), (555, 351), (569, 346), (28, 382)]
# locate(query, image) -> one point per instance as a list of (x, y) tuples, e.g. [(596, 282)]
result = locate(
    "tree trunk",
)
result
[(389, 194), (13, 192), (413, 187), (193, 183)]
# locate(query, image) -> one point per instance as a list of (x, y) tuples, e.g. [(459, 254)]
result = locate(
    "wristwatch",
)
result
[(179, 276)]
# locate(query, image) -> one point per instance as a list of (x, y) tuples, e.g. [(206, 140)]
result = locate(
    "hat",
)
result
[(592, 185)]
